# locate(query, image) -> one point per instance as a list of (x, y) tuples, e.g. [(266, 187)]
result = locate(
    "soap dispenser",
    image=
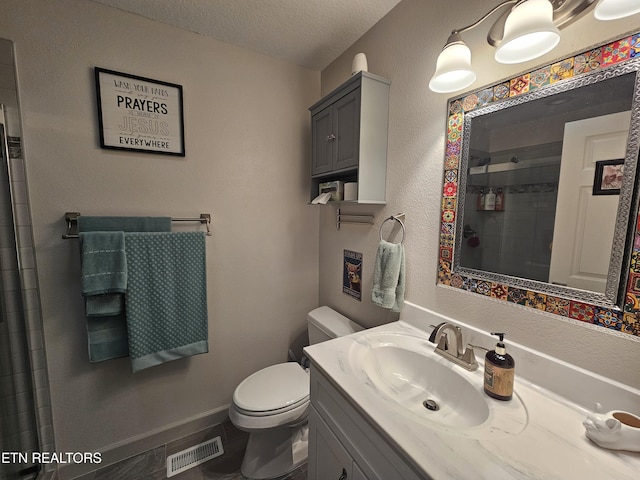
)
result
[(499, 371)]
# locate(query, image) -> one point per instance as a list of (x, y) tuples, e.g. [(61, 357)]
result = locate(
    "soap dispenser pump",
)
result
[(499, 371)]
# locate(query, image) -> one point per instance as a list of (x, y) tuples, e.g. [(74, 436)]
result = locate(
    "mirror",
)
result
[(540, 188), (528, 207)]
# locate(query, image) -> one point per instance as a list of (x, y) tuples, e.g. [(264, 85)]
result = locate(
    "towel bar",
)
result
[(72, 223), (352, 218)]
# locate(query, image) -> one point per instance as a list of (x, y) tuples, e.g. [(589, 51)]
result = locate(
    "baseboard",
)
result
[(144, 442)]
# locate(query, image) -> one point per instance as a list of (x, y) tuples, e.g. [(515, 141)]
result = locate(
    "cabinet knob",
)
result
[(344, 475), (331, 138)]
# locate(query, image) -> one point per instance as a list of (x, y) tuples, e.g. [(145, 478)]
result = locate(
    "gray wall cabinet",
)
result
[(349, 136)]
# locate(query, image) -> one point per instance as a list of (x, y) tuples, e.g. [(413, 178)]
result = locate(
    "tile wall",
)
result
[(23, 335)]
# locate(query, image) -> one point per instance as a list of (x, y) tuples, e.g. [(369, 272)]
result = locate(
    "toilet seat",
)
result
[(273, 390), (250, 422), (275, 411)]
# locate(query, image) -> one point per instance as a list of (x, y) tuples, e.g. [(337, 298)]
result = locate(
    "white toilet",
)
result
[(273, 405)]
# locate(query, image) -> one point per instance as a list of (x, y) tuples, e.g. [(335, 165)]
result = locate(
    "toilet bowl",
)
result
[(273, 405)]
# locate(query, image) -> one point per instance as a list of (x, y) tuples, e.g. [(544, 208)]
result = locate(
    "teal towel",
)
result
[(107, 337), (166, 297), (104, 281), (124, 224), (104, 263), (104, 272), (389, 276), (106, 317), (104, 305)]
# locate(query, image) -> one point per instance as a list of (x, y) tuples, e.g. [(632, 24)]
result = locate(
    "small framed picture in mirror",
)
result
[(608, 177)]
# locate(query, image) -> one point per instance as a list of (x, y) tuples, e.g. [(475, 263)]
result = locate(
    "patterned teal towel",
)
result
[(166, 297)]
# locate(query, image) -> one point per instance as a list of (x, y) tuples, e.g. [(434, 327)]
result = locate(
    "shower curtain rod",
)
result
[(72, 223)]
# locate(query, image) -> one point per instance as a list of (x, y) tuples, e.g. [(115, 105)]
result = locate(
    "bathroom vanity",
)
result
[(368, 417)]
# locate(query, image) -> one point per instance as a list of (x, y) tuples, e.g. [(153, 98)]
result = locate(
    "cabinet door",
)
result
[(328, 459), (346, 128), (323, 142), (358, 474)]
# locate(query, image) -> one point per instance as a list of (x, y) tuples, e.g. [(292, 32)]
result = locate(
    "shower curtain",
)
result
[(18, 429)]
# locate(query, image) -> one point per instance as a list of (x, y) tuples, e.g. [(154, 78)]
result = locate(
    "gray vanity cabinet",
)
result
[(330, 460), (349, 136), (343, 445)]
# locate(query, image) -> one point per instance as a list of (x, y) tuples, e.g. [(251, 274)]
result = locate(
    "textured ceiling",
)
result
[(311, 33)]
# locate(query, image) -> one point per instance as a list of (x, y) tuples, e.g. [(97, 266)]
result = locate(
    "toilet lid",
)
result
[(273, 388)]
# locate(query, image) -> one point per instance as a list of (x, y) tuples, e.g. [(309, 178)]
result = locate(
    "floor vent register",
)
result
[(191, 457)]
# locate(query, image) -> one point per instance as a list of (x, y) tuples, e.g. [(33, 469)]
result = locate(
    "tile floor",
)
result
[(227, 467), (206, 473), (151, 465)]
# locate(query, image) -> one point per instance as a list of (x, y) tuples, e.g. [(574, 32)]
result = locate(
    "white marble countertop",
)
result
[(551, 445)]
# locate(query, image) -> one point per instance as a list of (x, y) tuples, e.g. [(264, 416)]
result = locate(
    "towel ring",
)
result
[(397, 219)]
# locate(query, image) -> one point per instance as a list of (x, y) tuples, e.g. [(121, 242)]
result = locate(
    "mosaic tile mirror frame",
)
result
[(621, 313)]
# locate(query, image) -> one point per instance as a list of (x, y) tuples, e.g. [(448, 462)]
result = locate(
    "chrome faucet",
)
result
[(443, 339)]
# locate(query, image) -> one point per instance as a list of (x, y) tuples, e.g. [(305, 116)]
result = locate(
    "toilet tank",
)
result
[(324, 323)]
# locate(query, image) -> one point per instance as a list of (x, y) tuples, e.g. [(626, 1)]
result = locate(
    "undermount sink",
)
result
[(413, 380)]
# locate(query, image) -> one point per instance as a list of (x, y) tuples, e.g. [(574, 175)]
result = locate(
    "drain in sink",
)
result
[(430, 404)]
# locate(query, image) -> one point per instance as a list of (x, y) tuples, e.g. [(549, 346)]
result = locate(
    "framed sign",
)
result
[(352, 273), (139, 114), (608, 177)]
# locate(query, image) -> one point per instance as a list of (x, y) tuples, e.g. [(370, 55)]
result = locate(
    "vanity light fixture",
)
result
[(525, 30), (453, 67), (614, 9), (529, 32)]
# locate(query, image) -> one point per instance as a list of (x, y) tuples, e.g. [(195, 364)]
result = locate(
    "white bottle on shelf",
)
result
[(490, 200)]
